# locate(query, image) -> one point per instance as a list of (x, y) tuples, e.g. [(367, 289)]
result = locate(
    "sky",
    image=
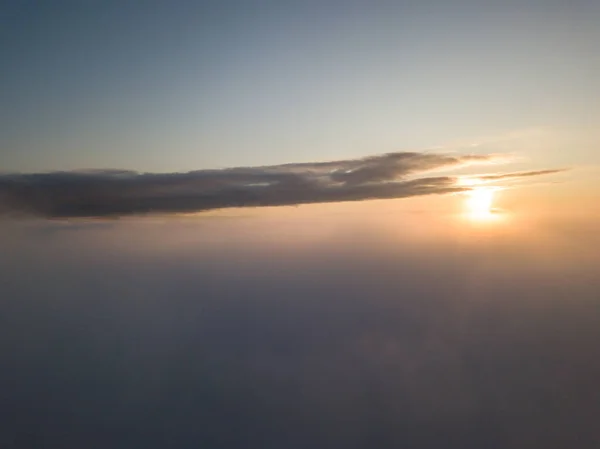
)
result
[(176, 86), (333, 224)]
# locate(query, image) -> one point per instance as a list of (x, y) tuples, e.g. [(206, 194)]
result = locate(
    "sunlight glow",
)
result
[(479, 203)]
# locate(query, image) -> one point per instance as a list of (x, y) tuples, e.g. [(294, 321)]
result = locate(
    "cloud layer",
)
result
[(103, 193), (400, 331)]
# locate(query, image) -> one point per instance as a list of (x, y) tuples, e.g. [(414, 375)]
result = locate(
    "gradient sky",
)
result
[(182, 85)]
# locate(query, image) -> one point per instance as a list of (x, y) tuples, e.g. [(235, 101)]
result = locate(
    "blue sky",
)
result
[(177, 86)]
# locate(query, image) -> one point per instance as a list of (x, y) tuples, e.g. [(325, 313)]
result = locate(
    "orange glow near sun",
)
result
[(480, 202)]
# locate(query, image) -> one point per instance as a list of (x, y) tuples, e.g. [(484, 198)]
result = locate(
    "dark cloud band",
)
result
[(103, 193)]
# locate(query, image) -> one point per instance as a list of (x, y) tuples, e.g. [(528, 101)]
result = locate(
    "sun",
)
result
[(479, 203)]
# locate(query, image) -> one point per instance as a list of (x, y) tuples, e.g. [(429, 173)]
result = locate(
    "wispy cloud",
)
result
[(518, 175), (103, 193)]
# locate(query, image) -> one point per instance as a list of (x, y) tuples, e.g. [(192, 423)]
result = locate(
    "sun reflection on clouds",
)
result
[(481, 191)]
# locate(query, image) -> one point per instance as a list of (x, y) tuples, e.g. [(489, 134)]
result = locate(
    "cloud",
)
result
[(105, 193), (518, 175)]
